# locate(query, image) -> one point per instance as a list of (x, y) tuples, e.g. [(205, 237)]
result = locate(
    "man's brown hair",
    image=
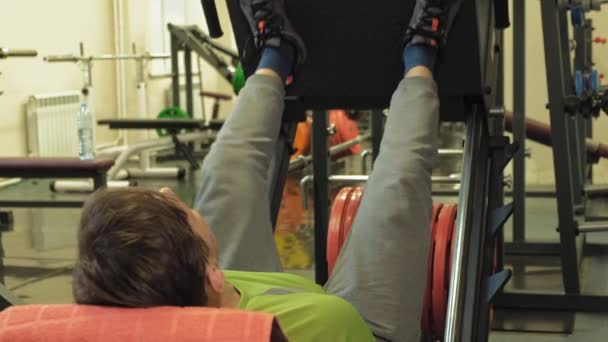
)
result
[(137, 249)]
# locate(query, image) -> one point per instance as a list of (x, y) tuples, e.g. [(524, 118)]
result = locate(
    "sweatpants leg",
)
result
[(233, 198), (383, 266)]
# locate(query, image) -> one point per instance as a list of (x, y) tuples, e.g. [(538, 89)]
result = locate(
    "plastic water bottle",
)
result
[(86, 141)]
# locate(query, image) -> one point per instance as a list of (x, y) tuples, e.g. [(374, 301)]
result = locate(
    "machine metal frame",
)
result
[(572, 170), (478, 219), (192, 39)]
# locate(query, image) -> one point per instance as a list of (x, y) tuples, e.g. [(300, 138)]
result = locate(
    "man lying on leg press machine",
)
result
[(142, 248)]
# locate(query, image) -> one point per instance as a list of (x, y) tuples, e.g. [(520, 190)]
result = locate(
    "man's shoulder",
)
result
[(263, 281), (316, 315), (304, 310)]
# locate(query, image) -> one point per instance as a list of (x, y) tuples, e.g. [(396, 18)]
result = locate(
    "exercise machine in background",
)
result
[(191, 39), (575, 98), (41, 168), (175, 120), (6, 217), (86, 64)]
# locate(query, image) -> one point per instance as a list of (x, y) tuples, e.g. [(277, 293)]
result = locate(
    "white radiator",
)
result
[(51, 124)]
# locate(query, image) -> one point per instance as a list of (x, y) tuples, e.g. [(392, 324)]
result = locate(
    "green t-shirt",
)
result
[(304, 311)]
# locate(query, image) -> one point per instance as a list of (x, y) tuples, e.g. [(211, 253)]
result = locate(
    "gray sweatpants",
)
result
[(382, 267)]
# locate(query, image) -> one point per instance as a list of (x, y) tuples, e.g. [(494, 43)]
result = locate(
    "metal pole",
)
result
[(364, 178), (377, 132), (6, 52), (492, 251), (302, 161), (571, 130), (496, 186), (589, 122), (465, 279), (519, 119), (2, 255), (321, 192), (188, 67), (279, 168), (588, 133), (563, 187), (595, 227), (175, 70)]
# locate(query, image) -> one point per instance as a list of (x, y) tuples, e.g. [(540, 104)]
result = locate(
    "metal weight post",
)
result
[(321, 188), (279, 167), (584, 56), (465, 283), (377, 125), (481, 214), (321, 183), (519, 119), (473, 283), (583, 62), (568, 180), (501, 153)]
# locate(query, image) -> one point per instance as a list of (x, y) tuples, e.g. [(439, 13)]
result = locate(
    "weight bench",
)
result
[(82, 323), (168, 124), (218, 97), (172, 126), (56, 168), (46, 168)]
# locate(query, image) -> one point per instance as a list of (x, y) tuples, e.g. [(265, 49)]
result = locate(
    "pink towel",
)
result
[(82, 323)]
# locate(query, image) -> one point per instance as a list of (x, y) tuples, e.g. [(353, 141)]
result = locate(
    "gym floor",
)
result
[(41, 251)]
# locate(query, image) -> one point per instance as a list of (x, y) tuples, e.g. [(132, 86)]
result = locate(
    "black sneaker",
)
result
[(431, 21), (271, 27)]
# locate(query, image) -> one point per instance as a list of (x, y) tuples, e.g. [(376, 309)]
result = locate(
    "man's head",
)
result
[(142, 248)]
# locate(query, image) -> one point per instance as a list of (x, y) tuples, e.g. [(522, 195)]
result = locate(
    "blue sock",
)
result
[(419, 54), (279, 60)]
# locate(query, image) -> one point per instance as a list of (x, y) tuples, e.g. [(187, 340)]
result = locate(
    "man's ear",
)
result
[(215, 279)]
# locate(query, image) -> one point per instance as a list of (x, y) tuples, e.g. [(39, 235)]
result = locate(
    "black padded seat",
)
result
[(56, 168)]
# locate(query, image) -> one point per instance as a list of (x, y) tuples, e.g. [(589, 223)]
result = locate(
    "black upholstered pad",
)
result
[(355, 53), (160, 124), (52, 167)]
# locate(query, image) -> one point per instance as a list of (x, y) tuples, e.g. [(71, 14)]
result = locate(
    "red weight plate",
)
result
[(452, 235), (334, 228), (351, 213), (427, 319), (441, 265), (435, 216)]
